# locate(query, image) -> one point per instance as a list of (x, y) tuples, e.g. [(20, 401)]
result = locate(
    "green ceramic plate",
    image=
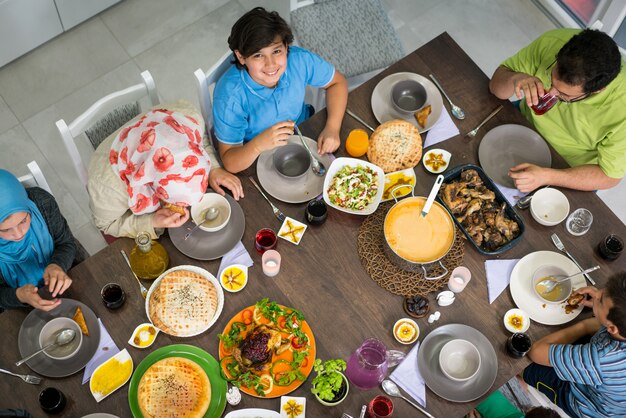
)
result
[(201, 357)]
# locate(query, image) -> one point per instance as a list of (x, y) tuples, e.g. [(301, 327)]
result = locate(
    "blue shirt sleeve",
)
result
[(230, 119), (578, 363), (318, 71)]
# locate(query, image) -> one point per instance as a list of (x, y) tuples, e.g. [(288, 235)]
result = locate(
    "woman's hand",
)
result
[(28, 294), (328, 141), (56, 279), (274, 136), (219, 177), (165, 218)]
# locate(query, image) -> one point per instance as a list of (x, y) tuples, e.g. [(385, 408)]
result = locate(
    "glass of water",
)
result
[(579, 222)]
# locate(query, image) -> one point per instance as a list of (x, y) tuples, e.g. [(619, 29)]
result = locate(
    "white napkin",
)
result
[(408, 377), (512, 195), (238, 255), (443, 129), (106, 350), (498, 276)]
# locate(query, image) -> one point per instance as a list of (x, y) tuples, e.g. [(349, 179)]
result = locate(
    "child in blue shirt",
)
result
[(259, 99)]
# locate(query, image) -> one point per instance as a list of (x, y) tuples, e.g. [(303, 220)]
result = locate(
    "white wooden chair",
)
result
[(103, 118), (35, 177), (205, 83)]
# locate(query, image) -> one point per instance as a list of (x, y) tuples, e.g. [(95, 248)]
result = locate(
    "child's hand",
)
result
[(328, 142), (28, 294), (274, 136), (165, 218), (56, 279)]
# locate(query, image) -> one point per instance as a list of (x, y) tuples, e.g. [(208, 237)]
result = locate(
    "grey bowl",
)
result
[(292, 160), (408, 96)]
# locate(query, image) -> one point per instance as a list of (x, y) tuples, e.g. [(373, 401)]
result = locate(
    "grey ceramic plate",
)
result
[(383, 109), (203, 245), (28, 340), (298, 190), (506, 146), (428, 364)]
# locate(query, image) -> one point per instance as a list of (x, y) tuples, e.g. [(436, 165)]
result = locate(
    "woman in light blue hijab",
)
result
[(36, 246)]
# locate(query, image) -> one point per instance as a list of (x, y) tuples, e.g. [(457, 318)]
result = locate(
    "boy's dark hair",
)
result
[(256, 30), (541, 412), (616, 290), (590, 59)]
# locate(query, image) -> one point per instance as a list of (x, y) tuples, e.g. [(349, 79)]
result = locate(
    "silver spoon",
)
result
[(209, 215), (524, 202), (549, 284), (64, 337), (316, 165), (392, 389), (457, 112)]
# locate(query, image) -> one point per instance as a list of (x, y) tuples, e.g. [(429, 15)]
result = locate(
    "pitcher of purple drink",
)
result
[(368, 365)]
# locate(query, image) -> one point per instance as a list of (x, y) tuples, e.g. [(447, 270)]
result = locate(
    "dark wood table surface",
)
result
[(323, 276)]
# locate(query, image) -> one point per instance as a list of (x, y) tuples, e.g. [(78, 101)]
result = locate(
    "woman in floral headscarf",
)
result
[(154, 163)]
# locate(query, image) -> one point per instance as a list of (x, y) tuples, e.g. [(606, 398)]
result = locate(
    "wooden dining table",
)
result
[(323, 276)]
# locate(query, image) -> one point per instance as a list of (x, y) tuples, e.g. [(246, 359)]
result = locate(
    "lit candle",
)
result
[(459, 278), (271, 263)]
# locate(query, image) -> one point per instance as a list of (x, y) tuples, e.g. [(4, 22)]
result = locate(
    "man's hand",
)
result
[(219, 177), (28, 294), (165, 218), (327, 142), (274, 136), (528, 177), (529, 87), (55, 278)]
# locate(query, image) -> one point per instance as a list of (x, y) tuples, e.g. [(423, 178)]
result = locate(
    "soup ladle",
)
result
[(64, 337)]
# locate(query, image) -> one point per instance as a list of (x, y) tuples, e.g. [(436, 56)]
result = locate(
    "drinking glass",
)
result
[(579, 222), (611, 247), (367, 366), (546, 102), (265, 240), (113, 296), (518, 345), (52, 400), (316, 212), (380, 407)]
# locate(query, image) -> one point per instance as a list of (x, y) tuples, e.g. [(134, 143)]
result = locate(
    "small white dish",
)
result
[(290, 405), (342, 162), (144, 335), (516, 320), (436, 160), (549, 206), (111, 375), (395, 179), (292, 230), (445, 298), (211, 200), (234, 278), (406, 331), (253, 412), (459, 360), (49, 332)]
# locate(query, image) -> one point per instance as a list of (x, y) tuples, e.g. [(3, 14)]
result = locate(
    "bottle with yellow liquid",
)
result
[(148, 258)]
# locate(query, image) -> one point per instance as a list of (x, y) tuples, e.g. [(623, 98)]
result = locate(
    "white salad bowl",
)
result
[(342, 162)]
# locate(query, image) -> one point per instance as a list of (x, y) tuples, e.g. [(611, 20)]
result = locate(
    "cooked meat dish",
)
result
[(474, 207), (258, 347)]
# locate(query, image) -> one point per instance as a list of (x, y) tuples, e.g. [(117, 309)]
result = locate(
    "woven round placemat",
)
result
[(386, 274)]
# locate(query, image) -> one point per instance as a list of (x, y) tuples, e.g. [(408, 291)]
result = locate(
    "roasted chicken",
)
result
[(257, 348)]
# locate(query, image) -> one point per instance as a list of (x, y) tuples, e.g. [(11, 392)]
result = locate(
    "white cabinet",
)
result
[(73, 12)]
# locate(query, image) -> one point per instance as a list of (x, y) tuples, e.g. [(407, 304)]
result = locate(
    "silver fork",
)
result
[(559, 244), (474, 131), (142, 288), (277, 212), (33, 380)]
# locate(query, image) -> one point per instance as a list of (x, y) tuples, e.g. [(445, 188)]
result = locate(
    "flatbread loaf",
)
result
[(183, 303), (174, 387), (395, 145)]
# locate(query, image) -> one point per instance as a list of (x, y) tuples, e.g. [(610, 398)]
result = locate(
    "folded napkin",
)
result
[(443, 129), (238, 255), (106, 350), (498, 276), (511, 195), (408, 377)]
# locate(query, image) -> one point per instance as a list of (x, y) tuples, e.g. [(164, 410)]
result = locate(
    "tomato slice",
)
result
[(247, 316), (297, 343)]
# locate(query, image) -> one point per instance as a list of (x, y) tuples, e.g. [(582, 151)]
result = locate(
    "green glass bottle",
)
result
[(148, 258)]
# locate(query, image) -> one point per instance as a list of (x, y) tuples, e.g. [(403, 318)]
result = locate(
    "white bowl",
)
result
[(459, 360), (521, 315), (49, 332), (211, 200), (341, 162), (406, 322), (445, 156), (243, 279), (564, 289), (549, 206)]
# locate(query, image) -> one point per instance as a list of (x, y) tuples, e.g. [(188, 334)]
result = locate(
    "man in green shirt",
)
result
[(587, 126)]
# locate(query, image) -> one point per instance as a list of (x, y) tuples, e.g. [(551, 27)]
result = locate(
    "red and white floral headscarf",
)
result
[(161, 158)]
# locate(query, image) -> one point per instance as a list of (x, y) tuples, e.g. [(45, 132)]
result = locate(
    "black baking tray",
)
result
[(455, 173)]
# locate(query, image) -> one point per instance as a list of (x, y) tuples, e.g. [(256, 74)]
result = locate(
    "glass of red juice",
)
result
[(265, 240), (380, 407), (546, 102)]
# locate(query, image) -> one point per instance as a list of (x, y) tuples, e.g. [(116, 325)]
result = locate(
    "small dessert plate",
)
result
[(292, 407), (292, 230), (398, 178), (406, 331), (516, 321), (111, 375), (436, 160), (234, 278), (143, 336)]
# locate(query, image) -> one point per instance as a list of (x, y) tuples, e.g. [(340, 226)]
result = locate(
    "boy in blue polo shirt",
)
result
[(586, 380), (258, 100)]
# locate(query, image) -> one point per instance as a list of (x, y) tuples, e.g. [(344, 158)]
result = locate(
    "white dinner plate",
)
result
[(298, 190), (384, 111), (253, 413), (524, 296), (506, 146)]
